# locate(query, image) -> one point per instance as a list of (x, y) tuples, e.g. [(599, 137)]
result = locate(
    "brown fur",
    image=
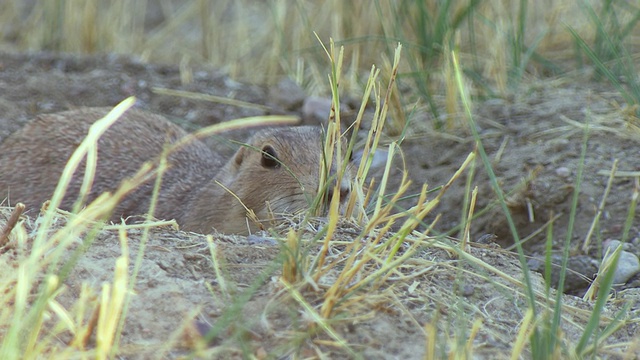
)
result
[(32, 159)]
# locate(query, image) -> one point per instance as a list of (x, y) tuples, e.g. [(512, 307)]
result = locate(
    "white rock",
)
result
[(628, 264)]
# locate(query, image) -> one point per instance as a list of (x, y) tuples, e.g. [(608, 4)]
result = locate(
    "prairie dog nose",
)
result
[(345, 190)]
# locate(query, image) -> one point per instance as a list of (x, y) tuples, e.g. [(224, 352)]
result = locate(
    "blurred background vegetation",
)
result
[(499, 42)]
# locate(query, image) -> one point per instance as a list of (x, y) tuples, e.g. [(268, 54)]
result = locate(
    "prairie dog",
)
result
[(277, 173)]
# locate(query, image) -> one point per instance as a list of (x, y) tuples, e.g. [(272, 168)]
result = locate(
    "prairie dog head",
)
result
[(278, 171)]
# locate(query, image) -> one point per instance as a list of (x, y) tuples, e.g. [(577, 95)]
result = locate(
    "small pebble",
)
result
[(467, 290), (287, 94), (378, 158), (628, 264), (611, 245), (316, 109), (563, 172)]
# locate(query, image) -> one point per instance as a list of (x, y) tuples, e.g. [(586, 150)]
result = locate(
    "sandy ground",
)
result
[(533, 138)]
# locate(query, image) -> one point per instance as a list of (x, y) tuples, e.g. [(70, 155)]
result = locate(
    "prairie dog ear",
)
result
[(240, 155)]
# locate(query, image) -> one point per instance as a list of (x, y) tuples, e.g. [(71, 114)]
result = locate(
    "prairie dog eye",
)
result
[(269, 157)]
